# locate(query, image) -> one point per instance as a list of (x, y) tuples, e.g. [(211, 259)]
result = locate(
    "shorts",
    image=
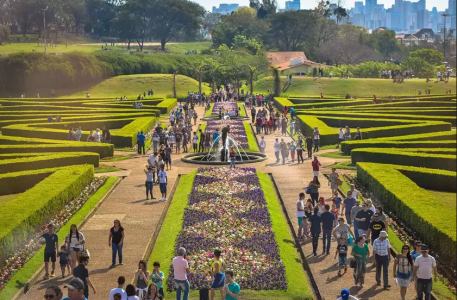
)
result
[(64, 263), (342, 261), (218, 281), (163, 188), (316, 173), (300, 220), (50, 256)]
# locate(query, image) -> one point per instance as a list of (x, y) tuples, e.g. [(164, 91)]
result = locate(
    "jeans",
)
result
[(141, 149), (348, 217), (326, 239), (314, 197), (356, 231), (424, 287), (149, 188), (316, 145), (382, 262), (117, 250), (182, 286), (310, 152), (300, 156), (315, 241)]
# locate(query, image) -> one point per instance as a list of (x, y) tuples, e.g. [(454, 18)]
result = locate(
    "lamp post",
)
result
[(174, 84), (445, 15), (44, 28)]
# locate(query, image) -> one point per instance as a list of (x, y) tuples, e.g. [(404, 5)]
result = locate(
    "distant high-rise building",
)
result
[(405, 16), (293, 5), (225, 8)]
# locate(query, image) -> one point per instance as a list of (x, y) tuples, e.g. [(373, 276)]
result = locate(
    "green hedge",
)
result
[(432, 219), (411, 157), (348, 146), (48, 161), (19, 182), (35, 206), (282, 102), (166, 105)]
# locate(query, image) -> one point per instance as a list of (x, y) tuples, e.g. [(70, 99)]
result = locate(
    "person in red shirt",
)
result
[(315, 164)]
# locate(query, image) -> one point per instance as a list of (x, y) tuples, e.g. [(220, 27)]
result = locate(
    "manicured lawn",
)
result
[(133, 85), (335, 154), (106, 169), (358, 87), (252, 140), (23, 275), (344, 165), (91, 47)]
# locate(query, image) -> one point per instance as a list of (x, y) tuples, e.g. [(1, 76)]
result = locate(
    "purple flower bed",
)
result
[(237, 131), (226, 106), (229, 212)]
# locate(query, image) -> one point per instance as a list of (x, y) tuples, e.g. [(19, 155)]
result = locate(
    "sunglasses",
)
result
[(49, 296)]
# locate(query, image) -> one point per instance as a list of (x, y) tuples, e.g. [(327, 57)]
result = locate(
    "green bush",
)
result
[(411, 157), (432, 219), (35, 206)]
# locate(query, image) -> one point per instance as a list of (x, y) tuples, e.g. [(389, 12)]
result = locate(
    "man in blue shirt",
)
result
[(140, 139), (348, 203), (315, 221), (328, 220)]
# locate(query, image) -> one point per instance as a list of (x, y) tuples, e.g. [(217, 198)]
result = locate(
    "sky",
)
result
[(208, 4)]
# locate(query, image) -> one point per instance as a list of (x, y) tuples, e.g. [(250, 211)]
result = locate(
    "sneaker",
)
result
[(52, 274), (387, 286)]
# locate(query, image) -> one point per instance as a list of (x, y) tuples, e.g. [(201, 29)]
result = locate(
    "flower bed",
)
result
[(227, 210), (237, 130), (229, 106)]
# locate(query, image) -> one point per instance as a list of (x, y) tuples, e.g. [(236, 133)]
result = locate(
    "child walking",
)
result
[(342, 252), (63, 260), (163, 180), (157, 279)]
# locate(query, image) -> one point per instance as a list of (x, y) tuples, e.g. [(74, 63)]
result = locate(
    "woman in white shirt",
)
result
[(75, 244)]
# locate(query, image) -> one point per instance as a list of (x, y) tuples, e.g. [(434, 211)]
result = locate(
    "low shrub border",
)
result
[(32, 268), (414, 205), (35, 205)]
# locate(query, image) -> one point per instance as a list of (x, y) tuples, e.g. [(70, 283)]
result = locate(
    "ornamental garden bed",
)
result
[(238, 212)]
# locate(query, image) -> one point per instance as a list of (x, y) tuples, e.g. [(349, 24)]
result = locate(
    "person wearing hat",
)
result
[(75, 289), (423, 273), (381, 251), (346, 295)]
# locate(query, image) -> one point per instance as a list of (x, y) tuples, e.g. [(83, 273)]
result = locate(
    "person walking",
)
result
[(300, 150), (342, 230), (155, 141), (300, 213), (315, 165), (140, 139), (201, 141), (141, 280), (315, 221), (277, 148), (51, 242), (377, 225), (180, 270), (360, 252), (75, 243), (381, 251), (163, 181), (342, 252), (232, 157), (292, 149), (313, 189), (195, 142), (334, 181), (116, 242), (316, 139), (262, 144), (119, 289), (284, 151), (309, 146), (403, 270), (150, 174), (348, 204), (354, 211), (423, 273), (328, 220), (363, 219), (82, 273)]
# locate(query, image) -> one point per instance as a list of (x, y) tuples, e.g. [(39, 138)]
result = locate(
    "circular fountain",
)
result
[(218, 154)]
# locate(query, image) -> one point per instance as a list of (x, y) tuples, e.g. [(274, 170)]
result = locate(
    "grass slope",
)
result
[(358, 87), (132, 85), (28, 270)]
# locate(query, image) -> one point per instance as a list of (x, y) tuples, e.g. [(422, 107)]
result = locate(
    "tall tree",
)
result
[(174, 17)]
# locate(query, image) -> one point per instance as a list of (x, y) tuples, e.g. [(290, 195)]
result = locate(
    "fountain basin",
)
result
[(204, 159)]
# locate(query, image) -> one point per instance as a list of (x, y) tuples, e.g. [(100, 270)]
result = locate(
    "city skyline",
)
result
[(441, 5)]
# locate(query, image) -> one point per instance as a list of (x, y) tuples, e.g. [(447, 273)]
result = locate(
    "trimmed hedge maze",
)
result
[(41, 170), (407, 157)]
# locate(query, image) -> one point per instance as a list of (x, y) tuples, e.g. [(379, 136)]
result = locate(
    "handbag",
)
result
[(308, 190)]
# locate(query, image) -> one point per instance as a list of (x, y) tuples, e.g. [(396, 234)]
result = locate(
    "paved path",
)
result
[(140, 221), (138, 217)]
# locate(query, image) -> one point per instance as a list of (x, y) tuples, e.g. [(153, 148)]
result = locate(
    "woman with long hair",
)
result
[(313, 189), (403, 270), (75, 244), (141, 279)]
